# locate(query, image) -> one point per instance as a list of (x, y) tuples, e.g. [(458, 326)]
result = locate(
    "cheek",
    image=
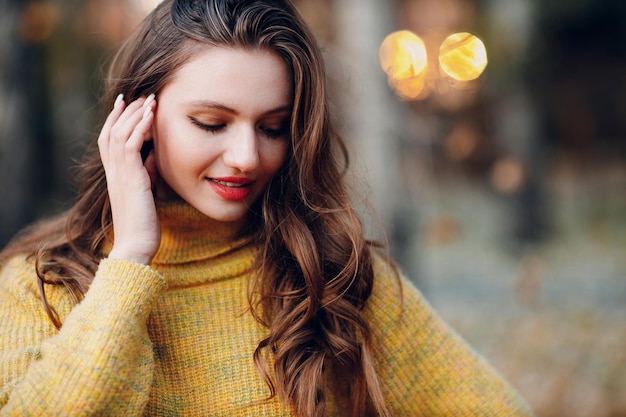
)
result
[(275, 157), (159, 136), (170, 152), (176, 159), (162, 153)]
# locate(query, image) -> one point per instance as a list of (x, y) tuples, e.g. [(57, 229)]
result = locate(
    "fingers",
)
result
[(129, 181), (132, 121), (126, 129), (130, 131), (141, 131), (103, 139)]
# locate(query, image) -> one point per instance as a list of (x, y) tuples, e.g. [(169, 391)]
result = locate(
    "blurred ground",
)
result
[(551, 317)]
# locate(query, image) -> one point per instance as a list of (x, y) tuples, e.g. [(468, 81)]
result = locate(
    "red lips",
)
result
[(232, 188)]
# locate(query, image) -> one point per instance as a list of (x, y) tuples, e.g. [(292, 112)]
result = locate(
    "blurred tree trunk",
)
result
[(24, 123), (375, 122)]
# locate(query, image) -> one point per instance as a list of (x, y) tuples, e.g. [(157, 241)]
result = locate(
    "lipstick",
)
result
[(232, 188)]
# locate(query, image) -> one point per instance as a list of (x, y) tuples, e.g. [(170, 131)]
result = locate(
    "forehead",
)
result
[(232, 76)]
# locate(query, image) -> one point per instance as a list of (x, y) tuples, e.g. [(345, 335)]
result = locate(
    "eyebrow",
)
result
[(208, 104)]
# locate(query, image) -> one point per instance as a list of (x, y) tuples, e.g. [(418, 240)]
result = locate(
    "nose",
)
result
[(242, 151)]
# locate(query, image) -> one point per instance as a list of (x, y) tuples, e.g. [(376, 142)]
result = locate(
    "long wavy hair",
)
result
[(314, 269)]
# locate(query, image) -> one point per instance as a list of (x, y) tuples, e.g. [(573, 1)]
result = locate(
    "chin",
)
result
[(229, 219), (226, 216)]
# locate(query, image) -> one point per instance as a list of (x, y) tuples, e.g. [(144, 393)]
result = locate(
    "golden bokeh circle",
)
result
[(403, 55), (463, 56)]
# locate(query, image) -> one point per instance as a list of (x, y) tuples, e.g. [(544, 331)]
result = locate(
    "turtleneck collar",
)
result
[(187, 235)]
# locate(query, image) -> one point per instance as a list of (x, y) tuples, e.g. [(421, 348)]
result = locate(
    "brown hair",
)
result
[(314, 272)]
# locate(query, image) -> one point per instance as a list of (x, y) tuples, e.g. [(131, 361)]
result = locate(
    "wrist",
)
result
[(130, 256)]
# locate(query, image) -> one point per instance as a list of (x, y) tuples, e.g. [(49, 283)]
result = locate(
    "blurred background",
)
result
[(495, 160)]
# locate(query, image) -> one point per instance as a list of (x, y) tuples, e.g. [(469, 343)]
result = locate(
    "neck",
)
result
[(188, 235)]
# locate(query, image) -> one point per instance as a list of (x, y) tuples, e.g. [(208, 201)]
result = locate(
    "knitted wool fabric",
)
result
[(177, 338)]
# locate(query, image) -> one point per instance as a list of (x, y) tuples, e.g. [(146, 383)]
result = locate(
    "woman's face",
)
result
[(221, 129)]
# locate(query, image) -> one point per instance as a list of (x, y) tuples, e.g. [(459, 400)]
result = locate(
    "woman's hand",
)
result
[(137, 234)]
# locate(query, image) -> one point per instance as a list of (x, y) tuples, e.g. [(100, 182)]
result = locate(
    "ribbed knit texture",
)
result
[(177, 338)]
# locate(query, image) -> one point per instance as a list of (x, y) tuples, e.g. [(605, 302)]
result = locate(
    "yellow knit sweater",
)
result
[(176, 339)]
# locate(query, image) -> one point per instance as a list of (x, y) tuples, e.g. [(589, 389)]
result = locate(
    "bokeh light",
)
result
[(38, 21), (462, 142), (463, 56), (403, 57), (409, 88), (508, 175)]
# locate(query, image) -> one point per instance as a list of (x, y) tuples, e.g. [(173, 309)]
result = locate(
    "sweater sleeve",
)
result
[(425, 368), (99, 363)]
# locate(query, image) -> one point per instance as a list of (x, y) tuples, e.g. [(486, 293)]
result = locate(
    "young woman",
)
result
[(212, 264)]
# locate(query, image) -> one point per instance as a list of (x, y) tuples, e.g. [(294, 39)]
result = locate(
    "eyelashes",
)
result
[(207, 127), (270, 133), (274, 133)]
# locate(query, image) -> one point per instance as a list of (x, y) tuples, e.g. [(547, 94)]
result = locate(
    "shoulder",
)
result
[(427, 368), (393, 295), (397, 306), (19, 289), (18, 277), (387, 275), (391, 286)]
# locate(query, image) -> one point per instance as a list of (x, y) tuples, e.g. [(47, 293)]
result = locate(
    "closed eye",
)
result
[(273, 133), (207, 127)]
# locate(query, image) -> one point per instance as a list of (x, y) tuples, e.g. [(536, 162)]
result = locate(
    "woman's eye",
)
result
[(273, 133), (209, 127)]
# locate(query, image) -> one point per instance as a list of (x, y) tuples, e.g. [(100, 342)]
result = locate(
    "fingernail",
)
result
[(118, 100), (149, 100)]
